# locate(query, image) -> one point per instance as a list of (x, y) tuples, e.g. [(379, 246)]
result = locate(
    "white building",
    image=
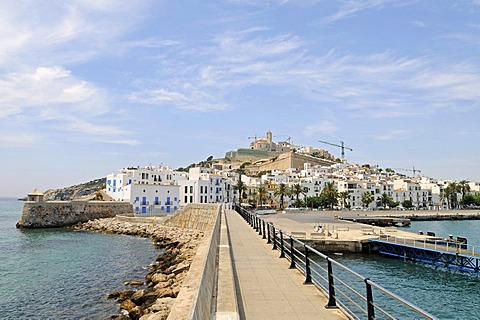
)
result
[(150, 190), (204, 185)]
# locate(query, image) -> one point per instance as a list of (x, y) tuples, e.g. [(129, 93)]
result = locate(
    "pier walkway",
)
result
[(266, 287)]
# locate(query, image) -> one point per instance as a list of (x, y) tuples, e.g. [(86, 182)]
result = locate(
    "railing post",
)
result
[(292, 254), (268, 233), (260, 226), (282, 248), (370, 307), (332, 302), (264, 236), (308, 274), (274, 234)]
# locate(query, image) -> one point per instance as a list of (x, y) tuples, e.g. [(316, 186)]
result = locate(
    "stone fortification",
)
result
[(181, 284), (55, 214), (154, 297), (196, 295), (195, 216)]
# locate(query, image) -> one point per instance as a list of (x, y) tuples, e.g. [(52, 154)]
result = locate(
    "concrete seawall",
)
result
[(55, 214), (196, 295)]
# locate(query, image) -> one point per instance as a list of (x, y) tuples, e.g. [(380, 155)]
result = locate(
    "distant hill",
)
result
[(80, 191)]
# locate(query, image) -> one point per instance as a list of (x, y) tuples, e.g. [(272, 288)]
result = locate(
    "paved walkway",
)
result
[(266, 287)]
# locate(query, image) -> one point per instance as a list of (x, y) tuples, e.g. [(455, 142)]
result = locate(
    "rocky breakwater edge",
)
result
[(153, 298)]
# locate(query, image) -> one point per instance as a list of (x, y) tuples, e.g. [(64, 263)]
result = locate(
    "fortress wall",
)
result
[(55, 214), (196, 295), (195, 216)]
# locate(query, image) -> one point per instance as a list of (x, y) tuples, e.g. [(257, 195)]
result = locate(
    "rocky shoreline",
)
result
[(152, 298)]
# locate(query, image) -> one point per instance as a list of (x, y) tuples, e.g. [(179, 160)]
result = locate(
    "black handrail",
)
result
[(301, 257)]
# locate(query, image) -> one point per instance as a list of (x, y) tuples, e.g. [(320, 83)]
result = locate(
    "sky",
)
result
[(88, 87)]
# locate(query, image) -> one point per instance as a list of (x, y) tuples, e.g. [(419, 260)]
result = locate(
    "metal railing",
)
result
[(342, 286), (441, 245)]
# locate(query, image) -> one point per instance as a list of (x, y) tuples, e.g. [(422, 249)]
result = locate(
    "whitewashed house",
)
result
[(150, 190)]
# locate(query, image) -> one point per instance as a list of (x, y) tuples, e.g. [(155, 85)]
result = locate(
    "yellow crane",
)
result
[(341, 145)]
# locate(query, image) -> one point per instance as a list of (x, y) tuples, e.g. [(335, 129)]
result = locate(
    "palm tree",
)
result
[(241, 188), (297, 190), (463, 187), (329, 195), (367, 198), (344, 195), (385, 200), (281, 191), (451, 193), (261, 195)]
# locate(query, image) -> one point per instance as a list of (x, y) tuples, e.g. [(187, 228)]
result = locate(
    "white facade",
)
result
[(150, 190), (205, 186)]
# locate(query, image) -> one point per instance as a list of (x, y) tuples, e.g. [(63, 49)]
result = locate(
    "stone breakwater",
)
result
[(57, 214), (153, 298)]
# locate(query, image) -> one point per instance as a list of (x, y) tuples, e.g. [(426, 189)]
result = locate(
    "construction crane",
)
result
[(412, 170), (284, 135), (341, 145), (253, 137)]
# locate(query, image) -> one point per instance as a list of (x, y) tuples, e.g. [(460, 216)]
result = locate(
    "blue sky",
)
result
[(88, 87)]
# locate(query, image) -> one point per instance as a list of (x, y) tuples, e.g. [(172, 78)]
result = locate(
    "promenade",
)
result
[(266, 287)]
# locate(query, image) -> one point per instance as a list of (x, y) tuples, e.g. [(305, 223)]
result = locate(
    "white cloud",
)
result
[(350, 8), (395, 135), (325, 127), (56, 33), (8, 139), (380, 85), (47, 87), (192, 100), (419, 24), (53, 96)]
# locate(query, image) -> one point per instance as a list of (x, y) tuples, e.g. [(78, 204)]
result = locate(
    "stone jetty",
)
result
[(152, 298)]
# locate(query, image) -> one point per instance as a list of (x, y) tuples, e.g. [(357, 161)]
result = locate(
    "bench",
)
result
[(343, 228), (299, 235), (367, 230), (390, 229), (317, 235)]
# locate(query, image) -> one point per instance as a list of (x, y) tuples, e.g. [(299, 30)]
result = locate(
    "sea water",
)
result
[(64, 274), (444, 293)]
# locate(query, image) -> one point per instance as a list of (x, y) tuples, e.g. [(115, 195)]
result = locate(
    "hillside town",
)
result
[(283, 176)]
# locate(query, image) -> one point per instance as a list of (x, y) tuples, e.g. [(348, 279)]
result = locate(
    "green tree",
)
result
[(281, 191), (240, 187), (386, 201), (329, 195), (367, 198), (407, 204), (297, 190), (313, 202), (343, 196), (444, 198), (451, 194), (469, 200), (261, 195), (463, 187)]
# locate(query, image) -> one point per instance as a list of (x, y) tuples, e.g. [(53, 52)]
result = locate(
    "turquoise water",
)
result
[(443, 293), (64, 274)]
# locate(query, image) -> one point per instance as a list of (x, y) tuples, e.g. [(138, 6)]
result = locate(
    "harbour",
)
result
[(424, 282)]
